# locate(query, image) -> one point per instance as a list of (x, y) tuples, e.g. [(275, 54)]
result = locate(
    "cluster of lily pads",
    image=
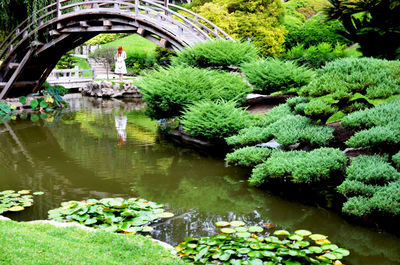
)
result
[(12, 201), (112, 214), (249, 245)]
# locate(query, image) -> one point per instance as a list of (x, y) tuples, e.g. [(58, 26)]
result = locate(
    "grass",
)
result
[(83, 64), (23, 243), (134, 44)]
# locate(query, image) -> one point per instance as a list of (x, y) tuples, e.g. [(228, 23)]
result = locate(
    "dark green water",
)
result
[(79, 157)]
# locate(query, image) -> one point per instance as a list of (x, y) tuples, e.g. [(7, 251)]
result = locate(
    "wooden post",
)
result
[(58, 9), (137, 8)]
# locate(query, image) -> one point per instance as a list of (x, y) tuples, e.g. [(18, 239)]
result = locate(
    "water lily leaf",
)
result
[(34, 118), (22, 100), (268, 254), (255, 229), (243, 234), (255, 262), (244, 250), (240, 229), (34, 103), (316, 250), (342, 251), (322, 241), (147, 229), (237, 223), (291, 262), (329, 247), (38, 193), (24, 192), (281, 233), (295, 237), (222, 224), (8, 191), (44, 104), (235, 262), (16, 209), (228, 230), (330, 256), (191, 245), (303, 232), (303, 243), (317, 236), (224, 256), (167, 215), (90, 221)]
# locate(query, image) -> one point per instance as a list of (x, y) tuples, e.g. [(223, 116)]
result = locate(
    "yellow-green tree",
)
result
[(256, 20)]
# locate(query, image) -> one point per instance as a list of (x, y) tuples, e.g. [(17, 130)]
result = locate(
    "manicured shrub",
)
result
[(276, 114), (293, 102), (318, 109), (248, 156), (371, 170), (318, 55), (396, 160), (167, 90), (271, 75), (217, 53), (381, 115), (387, 199), (215, 120), (250, 136), (376, 137), (368, 76), (352, 188), (358, 206), (301, 166)]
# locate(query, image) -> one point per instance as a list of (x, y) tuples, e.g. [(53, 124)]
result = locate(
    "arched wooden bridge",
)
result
[(32, 50)]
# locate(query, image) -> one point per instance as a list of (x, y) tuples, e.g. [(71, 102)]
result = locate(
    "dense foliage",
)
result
[(255, 20), (218, 53), (271, 75), (318, 55), (215, 120), (111, 214), (372, 186), (248, 156), (374, 24), (105, 38), (351, 84), (300, 166), (249, 245), (167, 91)]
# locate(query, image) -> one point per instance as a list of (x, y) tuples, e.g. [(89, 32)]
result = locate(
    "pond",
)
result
[(78, 155)]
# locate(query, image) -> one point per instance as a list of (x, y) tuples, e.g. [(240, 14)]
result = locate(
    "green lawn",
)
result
[(23, 243), (134, 44), (83, 64)]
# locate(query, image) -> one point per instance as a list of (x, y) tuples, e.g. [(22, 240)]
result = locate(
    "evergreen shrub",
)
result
[(276, 114), (248, 156), (167, 90), (218, 53), (300, 166), (373, 186), (215, 120), (250, 136), (318, 109), (376, 137), (396, 160), (271, 75)]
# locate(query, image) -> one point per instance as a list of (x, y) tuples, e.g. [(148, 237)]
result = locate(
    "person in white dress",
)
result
[(120, 67), (120, 125)]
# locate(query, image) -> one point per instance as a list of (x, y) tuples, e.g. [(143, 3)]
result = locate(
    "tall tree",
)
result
[(374, 24)]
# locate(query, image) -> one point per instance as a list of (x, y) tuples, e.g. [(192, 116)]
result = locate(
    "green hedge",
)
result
[(276, 114), (381, 115), (218, 53), (376, 137), (215, 120), (271, 75), (319, 109), (167, 90), (250, 136), (288, 130), (300, 166), (372, 185), (248, 156), (396, 160)]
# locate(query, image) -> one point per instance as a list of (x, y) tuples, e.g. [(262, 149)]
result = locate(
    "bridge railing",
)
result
[(71, 74), (160, 9)]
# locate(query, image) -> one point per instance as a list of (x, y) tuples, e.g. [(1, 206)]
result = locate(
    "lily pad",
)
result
[(147, 229), (243, 234), (255, 229), (316, 249), (295, 237), (241, 229), (24, 192), (281, 233), (167, 215), (303, 233), (317, 236), (38, 193), (342, 251), (222, 224), (329, 247), (228, 230), (237, 223), (16, 209)]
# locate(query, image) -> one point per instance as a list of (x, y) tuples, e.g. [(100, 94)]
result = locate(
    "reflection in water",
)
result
[(79, 158), (120, 125)]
